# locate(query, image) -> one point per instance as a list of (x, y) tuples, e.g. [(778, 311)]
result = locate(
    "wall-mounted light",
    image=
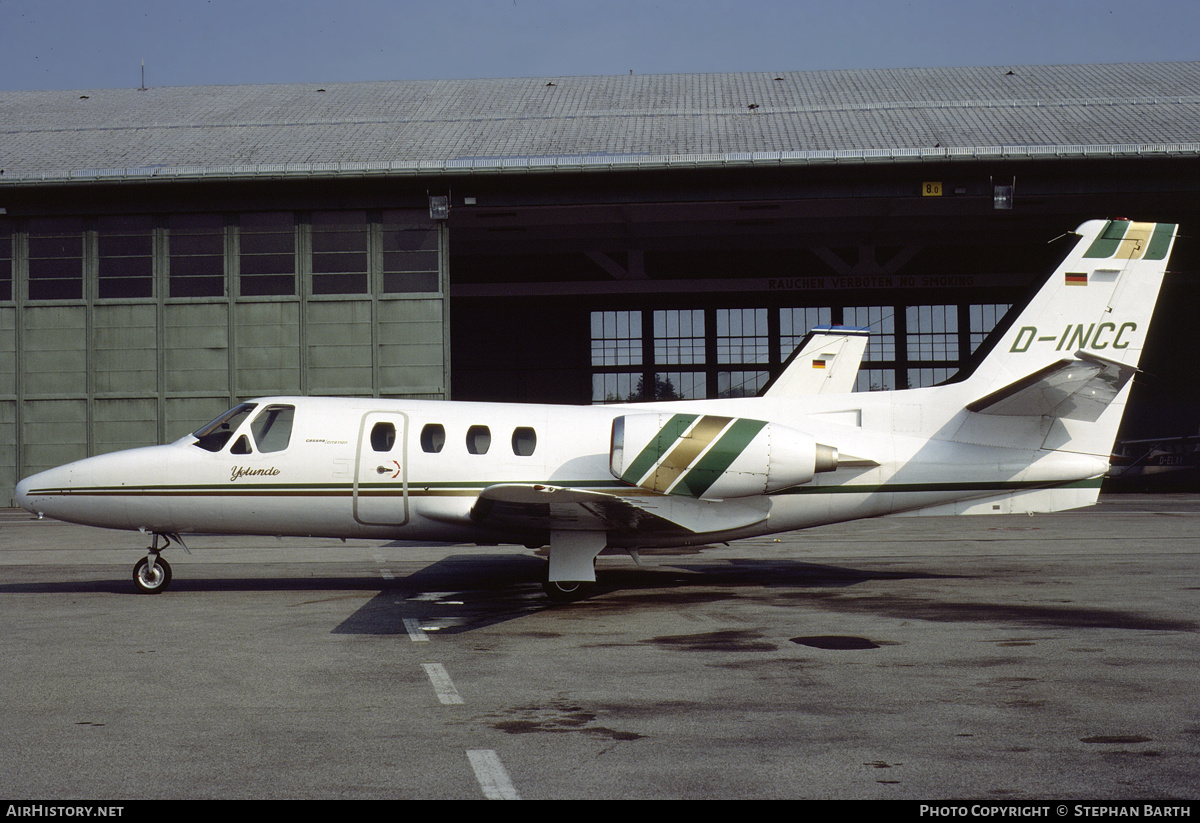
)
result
[(1002, 194), (439, 207)]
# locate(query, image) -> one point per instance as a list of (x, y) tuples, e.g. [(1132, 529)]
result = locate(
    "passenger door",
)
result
[(381, 470)]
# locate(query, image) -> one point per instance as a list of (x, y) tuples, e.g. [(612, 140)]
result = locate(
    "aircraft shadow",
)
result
[(465, 593)]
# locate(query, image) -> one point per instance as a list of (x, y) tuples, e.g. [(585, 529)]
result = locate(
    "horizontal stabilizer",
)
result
[(1079, 389)]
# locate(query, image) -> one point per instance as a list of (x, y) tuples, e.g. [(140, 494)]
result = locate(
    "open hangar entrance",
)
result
[(693, 284)]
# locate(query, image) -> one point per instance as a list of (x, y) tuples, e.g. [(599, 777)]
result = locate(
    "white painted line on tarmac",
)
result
[(443, 686), (492, 776), (415, 633), (382, 562)]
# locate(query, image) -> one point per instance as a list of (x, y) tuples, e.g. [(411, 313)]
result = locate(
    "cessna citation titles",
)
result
[(1030, 429)]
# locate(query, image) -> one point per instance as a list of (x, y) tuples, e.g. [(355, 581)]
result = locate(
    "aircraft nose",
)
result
[(34, 493), (22, 495)]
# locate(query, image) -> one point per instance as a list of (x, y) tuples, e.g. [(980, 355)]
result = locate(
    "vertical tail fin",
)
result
[(825, 362), (1073, 349)]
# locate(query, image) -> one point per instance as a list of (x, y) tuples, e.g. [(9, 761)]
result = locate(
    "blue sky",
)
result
[(88, 44)]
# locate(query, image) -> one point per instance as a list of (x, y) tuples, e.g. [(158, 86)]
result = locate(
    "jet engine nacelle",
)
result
[(713, 457)]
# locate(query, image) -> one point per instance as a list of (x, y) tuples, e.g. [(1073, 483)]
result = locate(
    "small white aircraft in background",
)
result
[(1029, 430)]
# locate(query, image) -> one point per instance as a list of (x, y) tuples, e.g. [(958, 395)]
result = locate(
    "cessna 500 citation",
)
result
[(1029, 430)]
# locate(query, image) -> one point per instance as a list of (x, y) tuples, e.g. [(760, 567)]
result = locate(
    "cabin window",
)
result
[(383, 437), (524, 441), (433, 438), (213, 436), (479, 439), (273, 428)]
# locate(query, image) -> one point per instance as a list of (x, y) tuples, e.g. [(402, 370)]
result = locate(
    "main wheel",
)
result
[(566, 591), (151, 581)]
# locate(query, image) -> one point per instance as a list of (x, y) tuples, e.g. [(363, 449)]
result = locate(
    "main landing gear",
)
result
[(152, 574), (571, 573), (567, 591)]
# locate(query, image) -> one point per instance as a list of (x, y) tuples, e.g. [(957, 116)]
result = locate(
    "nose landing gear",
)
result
[(152, 574)]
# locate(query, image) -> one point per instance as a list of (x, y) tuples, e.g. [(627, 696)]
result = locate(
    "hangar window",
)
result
[(881, 346), (433, 437), (125, 251), (796, 322), (983, 318), (741, 383), (56, 259), (268, 254), (932, 333), (878, 372), (929, 377), (679, 337), (678, 340), (6, 273), (272, 428), (616, 338), (339, 252), (678, 385), (524, 441), (479, 439), (743, 336), (615, 387), (875, 380), (410, 253), (196, 244)]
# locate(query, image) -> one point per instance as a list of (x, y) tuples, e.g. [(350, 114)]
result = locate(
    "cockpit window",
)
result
[(272, 428), (213, 436)]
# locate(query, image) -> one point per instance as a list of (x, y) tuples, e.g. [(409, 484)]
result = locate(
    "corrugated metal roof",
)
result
[(573, 123)]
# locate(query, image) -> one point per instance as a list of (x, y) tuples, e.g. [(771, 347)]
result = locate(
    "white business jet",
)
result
[(1030, 429)]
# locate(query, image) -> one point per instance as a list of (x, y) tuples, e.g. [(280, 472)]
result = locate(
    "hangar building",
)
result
[(165, 252)]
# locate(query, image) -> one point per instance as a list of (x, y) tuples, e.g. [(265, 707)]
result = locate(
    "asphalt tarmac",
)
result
[(998, 658)]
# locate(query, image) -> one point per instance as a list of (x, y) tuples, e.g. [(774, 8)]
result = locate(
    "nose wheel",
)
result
[(152, 574)]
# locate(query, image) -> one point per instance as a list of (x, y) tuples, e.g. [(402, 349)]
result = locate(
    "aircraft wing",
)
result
[(532, 507), (1078, 389)]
